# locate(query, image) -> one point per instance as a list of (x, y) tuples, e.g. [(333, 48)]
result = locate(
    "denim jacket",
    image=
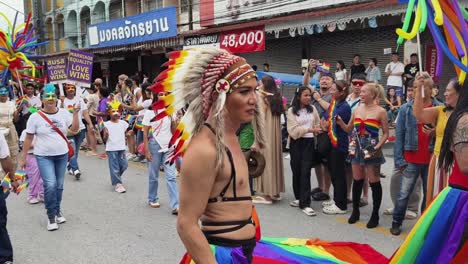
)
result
[(407, 133)]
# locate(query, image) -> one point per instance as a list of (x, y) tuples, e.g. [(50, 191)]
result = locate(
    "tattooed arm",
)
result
[(460, 143)]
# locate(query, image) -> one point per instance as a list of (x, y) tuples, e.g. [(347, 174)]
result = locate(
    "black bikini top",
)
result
[(220, 197)]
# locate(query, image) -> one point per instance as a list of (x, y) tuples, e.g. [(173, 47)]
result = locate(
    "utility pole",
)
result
[(190, 14)]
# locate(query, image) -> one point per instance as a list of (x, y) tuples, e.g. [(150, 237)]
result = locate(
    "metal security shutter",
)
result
[(283, 55), (342, 45)]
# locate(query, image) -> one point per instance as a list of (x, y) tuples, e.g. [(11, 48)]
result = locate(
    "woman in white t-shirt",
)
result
[(303, 122), (51, 150), (341, 74), (67, 103), (157, 134)]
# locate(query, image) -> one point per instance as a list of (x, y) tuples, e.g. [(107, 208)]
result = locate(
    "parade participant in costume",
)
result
[(441, 234), (114, 136), (8, 115), (366, 149), (52, 150), (220, 89), (437, 116), (68, 103)]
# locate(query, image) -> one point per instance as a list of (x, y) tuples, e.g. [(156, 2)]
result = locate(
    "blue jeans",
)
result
[(76, 141), (407, 183), (170, 175), (52, 170), (118, 164)]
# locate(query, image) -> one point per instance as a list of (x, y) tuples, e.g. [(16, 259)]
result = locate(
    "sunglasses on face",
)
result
[(358, 83)]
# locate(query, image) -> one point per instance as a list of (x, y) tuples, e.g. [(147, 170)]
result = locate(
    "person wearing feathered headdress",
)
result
[(221, 91)]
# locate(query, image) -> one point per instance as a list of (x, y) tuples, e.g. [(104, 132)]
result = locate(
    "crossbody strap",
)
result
[(53, 126)]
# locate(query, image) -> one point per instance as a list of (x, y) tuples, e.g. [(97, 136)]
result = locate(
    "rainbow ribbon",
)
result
[(332, 122), (20, 175)]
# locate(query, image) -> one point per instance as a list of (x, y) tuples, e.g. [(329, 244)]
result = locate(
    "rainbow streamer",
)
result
[(325, 67), (139, 125), (6, 184), (20, 175), (332, 123), (70, 109)]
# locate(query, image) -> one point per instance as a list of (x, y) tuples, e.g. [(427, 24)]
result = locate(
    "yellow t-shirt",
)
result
[(442, 119)]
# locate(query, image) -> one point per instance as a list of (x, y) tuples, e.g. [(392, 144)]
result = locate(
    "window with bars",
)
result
[(184, 5), (153, 4)]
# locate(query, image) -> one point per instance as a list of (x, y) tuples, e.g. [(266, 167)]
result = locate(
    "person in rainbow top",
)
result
[(365, 150), (221, 91)]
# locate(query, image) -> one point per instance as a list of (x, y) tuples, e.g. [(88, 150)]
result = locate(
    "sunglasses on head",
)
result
[(358, 83)]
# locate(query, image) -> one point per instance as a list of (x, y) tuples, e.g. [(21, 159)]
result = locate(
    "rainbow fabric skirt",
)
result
[(437, 236), (297, 251)]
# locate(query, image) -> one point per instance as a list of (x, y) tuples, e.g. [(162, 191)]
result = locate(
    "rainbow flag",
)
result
[(139, 125), (325, 67), (129, 118), (70, 108), (22, 100), (150, 132), (101, 124), (332, 123), (20, 175)]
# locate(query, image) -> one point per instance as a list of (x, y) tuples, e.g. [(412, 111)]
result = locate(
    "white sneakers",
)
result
[(154, 204), (60, 218), (77, 174), (120, 188), (52, 225), (333, 209), (294, 203)]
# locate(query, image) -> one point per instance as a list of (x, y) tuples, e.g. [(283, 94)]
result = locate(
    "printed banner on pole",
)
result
[(244, 40), (431, 59), (57, 69), (80, 67)]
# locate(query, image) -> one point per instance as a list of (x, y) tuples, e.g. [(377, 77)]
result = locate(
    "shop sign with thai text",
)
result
[(153, 25)]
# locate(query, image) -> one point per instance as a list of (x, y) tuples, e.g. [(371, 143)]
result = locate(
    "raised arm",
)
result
[(197, 179), (423, 115)]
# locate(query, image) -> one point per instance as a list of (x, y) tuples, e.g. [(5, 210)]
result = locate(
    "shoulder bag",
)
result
[(71, 152)]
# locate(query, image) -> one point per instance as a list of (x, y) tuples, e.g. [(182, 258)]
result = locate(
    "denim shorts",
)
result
[(365, 142)]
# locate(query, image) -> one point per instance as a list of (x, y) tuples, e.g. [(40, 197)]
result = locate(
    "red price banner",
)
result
[(244, 40)]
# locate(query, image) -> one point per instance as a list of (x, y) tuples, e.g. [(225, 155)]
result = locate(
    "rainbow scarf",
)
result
[(139, 125), (332, 123), (70, 108)]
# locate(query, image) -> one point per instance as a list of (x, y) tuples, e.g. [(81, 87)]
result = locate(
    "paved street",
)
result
[(107, 227)]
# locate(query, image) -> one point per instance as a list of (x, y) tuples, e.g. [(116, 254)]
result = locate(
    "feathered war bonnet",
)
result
[(201, 78)]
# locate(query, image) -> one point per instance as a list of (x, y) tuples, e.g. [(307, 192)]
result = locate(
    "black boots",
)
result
[(376, 200), (357, 190)]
